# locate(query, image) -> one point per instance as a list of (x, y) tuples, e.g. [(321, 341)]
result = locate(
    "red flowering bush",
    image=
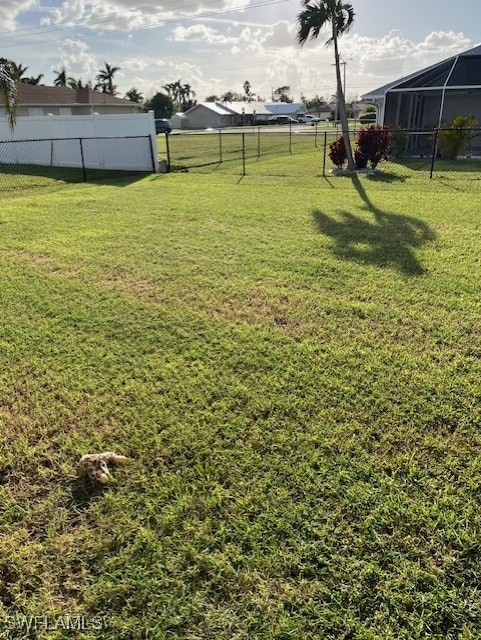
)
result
[(337, 152), (372, 145)]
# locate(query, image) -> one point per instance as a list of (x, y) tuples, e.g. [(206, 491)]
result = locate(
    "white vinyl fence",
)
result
[(125, 142)]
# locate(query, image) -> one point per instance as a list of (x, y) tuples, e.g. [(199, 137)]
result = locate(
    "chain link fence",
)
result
[(450, 154), (303, 151), (38, 163)]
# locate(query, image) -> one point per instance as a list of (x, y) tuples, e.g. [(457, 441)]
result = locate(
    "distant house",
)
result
[(217, 115), (40, 100), (178, 121), (432, 96), (322, 111), (354, 109)]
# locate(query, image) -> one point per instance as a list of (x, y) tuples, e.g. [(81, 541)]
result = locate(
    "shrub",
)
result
[(373, 144), (366, 118), (399, 141), (368, 115), (453, 140), (337, 152)]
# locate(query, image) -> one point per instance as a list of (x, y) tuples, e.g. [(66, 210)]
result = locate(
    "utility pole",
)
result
[(343, 63)]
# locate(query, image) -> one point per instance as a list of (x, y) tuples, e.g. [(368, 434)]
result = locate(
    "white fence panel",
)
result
[(123, 142)]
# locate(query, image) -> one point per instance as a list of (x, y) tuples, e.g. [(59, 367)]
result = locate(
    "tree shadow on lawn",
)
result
[(388, 241)]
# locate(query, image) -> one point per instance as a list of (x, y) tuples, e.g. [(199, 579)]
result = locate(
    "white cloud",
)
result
[(450, 42), (137, 64), (282, 34), (10, 9), (77, 59), (69, 13), (202, 33), (393, 56), (121, 14)]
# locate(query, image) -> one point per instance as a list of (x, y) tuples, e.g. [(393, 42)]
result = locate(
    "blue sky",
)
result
[(215, 45)]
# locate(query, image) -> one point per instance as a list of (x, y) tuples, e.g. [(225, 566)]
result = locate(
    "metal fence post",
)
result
[(290, 139), (152, 153), (258, 142), (243, 154), (324, 156), (83, 159), (167, 149), (435, 150), (220, 146)]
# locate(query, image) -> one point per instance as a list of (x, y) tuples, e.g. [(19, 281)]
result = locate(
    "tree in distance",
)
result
[(134, 96), (161, 104)]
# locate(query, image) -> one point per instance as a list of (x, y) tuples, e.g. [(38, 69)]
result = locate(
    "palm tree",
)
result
[(62, 80), (187, 97), (134, 96), (174, 90), (105, 79), (9, 91), (340, 15), (32, 79), (78, 84), (18, 70)]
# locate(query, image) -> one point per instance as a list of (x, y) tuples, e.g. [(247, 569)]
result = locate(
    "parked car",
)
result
[(162, 125), (306, 118), (282, 120)]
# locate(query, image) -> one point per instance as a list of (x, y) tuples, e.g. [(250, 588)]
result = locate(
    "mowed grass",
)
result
[(292, 368), (304, 153)]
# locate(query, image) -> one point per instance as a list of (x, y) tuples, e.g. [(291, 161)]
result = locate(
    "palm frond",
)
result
[(311, 21), (9, 91), (317, 15)]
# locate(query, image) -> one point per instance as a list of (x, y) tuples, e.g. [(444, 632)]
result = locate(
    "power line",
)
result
[(85, 23)]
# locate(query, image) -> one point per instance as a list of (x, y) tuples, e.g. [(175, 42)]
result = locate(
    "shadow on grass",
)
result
[(386, 177), (16, 176), (83, 490), (388, 241)]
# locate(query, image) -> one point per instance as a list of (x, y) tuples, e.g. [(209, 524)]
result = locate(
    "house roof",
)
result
[(232, 108), (35, 94), (249, 108), (461, 70), (284, 108), (216, 107)]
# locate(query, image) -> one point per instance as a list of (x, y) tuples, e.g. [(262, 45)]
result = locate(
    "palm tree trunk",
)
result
[(341, 102)]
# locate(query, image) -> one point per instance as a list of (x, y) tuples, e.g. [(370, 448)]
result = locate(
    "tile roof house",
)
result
[(433, 96), (40, 100)]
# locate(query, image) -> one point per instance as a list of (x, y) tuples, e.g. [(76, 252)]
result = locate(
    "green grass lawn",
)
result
[(262, 151), (292, 367)]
